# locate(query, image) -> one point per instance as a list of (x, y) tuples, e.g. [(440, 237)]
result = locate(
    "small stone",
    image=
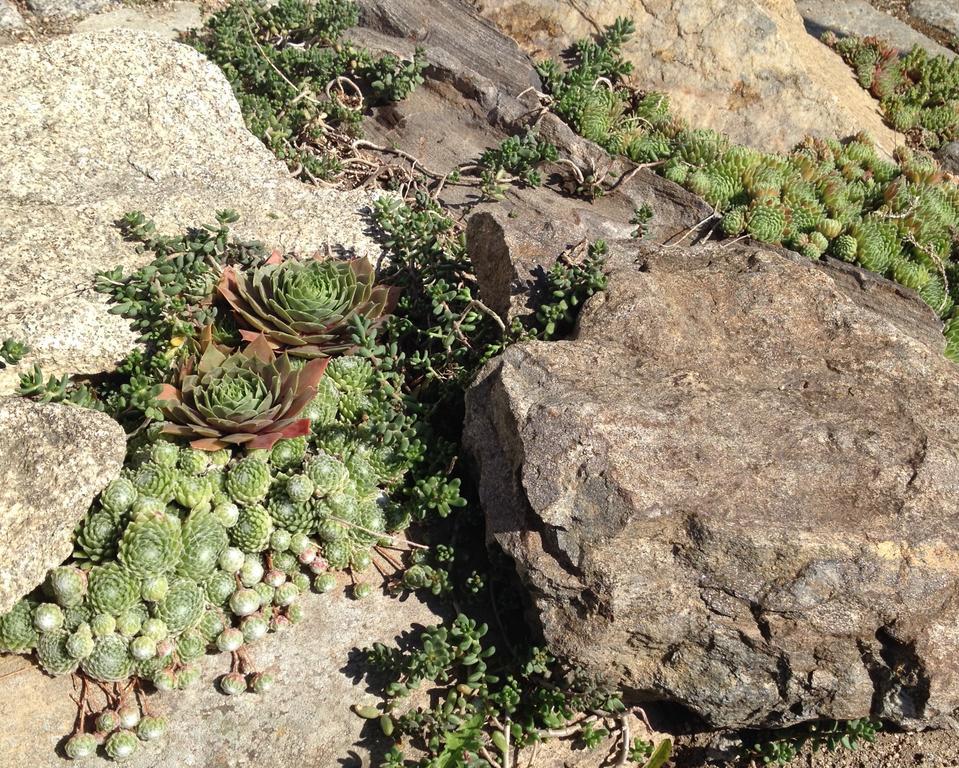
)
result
[(10, 18)]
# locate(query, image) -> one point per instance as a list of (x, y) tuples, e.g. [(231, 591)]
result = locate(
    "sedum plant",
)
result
[(918, 93), (305, 307), (251, 398)]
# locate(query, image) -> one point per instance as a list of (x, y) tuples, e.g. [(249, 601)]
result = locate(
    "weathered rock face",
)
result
[(304, 720), (53, 460), (95, 125), (744, 67), (735, 488), (861, 18), (940, 13)]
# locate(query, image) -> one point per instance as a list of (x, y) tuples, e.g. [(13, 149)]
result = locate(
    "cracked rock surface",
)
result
[(734, 488)]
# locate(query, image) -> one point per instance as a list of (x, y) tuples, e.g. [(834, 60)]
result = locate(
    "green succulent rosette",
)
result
[(251, 398), (305, 307)]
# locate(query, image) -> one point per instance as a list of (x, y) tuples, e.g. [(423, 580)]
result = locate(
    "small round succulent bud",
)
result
[(327, 473), (221, 457), (107, 721), (251, 572), (121, 745), (154, 588), (299, 489), (280, 540), (187, 676), (155, 628), (319, 566), (360, 560), (248, 481), (48, 617), (193, 491), (265, 591), (193, 461), (103, 624), (164, 454), (324, 582), (68, 585), (299, 543), (230, 639), (143, 648), (295, 613), (307, 555), (285, 561), (288, 452), (244, 602), (301, 581), (129, 715), (80, 745), (165, 647), (254, 628), (232, 559), (362, 590), (147, 506), (151, 728), (227, 513), (219, 586), (164, 680), (129, 623), (80, 644), (279, 622), (274, 577), (232, 684), (261, 682), (286, 594)]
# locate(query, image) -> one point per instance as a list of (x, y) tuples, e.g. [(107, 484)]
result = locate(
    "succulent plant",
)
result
[(232, 683), (151, 728), (151, 545), (261, 682), (306, 307), (156, 481), (251, 398), (143, 647), (204, 540), (129, 715), (48, 617), (183, 605), (80, 643), (53, 654), (253, 529), (80, 745), (121, 745), (230, 639), (110, 661), (113, 589), (327, 473), (248, 481), (119, 495), (68, 585), (244, 602), (98, 535)]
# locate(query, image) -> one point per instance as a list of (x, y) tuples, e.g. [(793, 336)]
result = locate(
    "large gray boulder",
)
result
[(98, 124), (735, 488), (53, 460)]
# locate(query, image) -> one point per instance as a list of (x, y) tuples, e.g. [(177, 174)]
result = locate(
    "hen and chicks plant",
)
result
[(897, 217), (918, 92)]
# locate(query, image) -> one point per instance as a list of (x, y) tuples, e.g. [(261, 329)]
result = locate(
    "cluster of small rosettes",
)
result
[(118, 731), (190, 552), (918, 93)]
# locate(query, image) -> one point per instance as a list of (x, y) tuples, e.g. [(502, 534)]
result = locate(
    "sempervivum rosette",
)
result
[(251, 398), (305, 306)]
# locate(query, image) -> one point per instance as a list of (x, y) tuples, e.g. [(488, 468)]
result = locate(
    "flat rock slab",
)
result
[(743, 67), (53, 460), (940, 13), (735, 487), (860, 18), (95, 125), (68, 9), (305, 720), (166, 19)]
